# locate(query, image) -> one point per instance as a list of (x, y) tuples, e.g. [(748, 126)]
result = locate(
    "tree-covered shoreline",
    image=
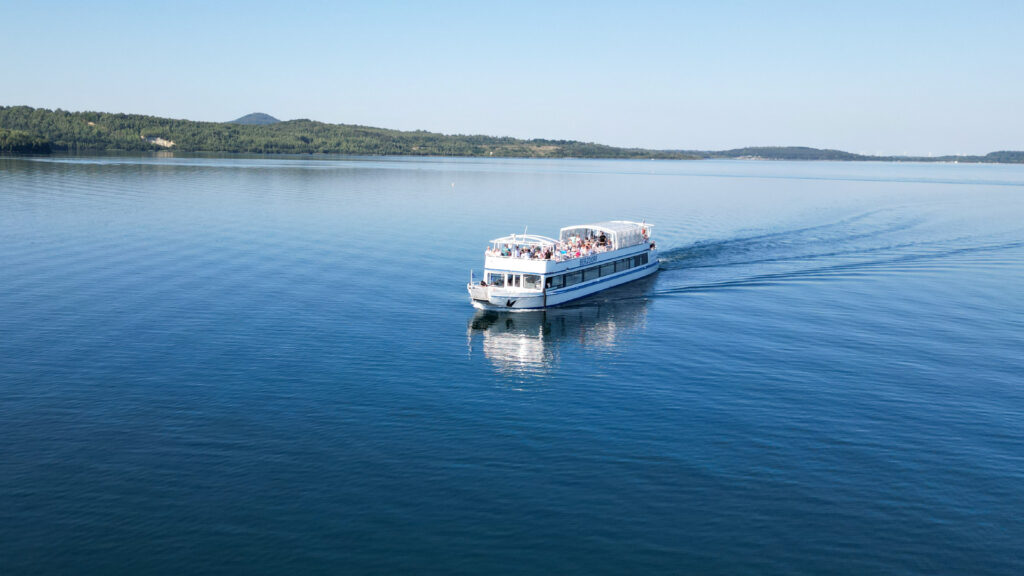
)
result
[(24, 129), (101, 131), (21, 142)]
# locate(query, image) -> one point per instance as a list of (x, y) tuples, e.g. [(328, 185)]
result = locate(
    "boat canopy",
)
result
[(525, 240), (620, 233)]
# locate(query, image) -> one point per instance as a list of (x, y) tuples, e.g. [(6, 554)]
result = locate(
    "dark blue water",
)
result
[(246, 366)]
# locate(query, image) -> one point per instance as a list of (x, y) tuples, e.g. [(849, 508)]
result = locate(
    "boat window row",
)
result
[(594, 272), (529, 281), (556, 281)]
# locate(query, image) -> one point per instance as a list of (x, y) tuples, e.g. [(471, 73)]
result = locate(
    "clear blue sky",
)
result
[(873, 77)]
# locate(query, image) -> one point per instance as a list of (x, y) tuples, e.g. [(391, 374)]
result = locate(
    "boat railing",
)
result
[(560, 253)]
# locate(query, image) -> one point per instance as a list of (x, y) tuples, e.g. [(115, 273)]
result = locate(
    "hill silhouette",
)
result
[(256, 119)]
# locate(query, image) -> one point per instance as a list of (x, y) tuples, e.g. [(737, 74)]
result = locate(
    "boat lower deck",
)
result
[(512, 299)]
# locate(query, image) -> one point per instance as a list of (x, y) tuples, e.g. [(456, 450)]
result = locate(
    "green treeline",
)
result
[(36, 130), (805, 153), (787, 153), (97, 131), (1005, 156), (21, 142)]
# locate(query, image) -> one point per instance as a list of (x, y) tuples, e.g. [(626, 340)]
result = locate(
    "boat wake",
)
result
[(878, 241)]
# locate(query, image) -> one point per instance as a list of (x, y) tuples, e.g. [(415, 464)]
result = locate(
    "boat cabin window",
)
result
[(531, 281), (557, 281), (495, 279)]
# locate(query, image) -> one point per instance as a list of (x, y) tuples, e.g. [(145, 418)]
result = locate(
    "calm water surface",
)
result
[(269, 365)]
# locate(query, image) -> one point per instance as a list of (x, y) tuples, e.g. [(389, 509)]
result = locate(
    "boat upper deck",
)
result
[(584, 243)]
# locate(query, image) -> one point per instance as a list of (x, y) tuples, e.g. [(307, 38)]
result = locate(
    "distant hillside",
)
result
[(256, 119), (805, 153), (35, 130), (1005, 156), (85, 131), (785, 153)]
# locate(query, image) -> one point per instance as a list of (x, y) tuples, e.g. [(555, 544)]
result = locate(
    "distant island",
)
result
[(29, 130)]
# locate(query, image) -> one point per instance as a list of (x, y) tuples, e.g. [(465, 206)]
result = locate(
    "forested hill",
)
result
[(97, 131), (256, 118), (805, 153), (38, 131), (788, 153)]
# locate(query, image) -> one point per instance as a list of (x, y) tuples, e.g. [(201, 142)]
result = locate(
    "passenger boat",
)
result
[(530, 272)]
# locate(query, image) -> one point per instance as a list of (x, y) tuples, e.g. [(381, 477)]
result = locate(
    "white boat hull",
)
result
[(514, 300)]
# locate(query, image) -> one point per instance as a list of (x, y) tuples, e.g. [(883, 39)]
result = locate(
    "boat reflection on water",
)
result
[(533, 342)]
